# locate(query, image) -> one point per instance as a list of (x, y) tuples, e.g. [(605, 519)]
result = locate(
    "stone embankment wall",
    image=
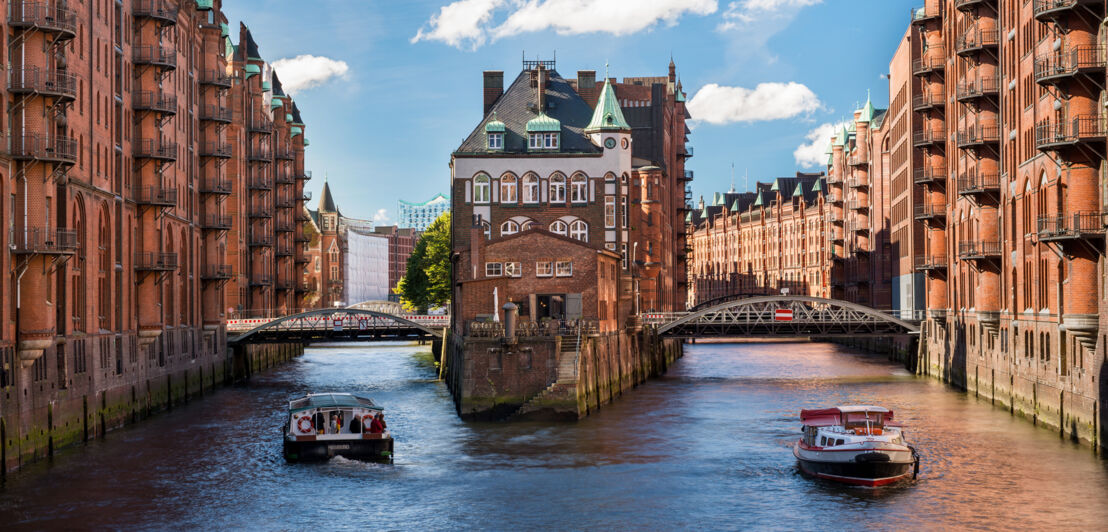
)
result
[(39, 418), (550, 377)]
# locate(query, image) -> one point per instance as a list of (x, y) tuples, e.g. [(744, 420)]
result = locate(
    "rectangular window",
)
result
[(544, 269), (609, 212), (563, 268), (494, 269), (534, 140), (512, 269), (496, 141), (550, 141)]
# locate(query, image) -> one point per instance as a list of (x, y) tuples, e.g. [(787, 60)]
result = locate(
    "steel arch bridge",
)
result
[(782, 316), (337, 324)]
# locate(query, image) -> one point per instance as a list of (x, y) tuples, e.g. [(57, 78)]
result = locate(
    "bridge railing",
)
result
[(339, 320), (495, 329)]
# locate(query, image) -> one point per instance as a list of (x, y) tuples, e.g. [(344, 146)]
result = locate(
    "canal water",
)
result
[(706, 446)]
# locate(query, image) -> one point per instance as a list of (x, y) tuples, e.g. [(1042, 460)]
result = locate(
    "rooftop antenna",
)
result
[(746, 177), (732, 177)]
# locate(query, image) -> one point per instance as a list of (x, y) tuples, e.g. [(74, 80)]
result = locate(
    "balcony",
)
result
[(928, 137), (932, 61), (966, 5), (214, 148), (978, 135), (837, 235), (833, 198), (61, 150), (857, 161), (301, 216), (157, 10), (974, 184), (979, 250), (300, 236), (975, 40), (1082, 129), (216, 272), (259, 153), (157, 196), (154, 261), (215, 78), (216, 113), (215, 186), (156, 102), (1078, 225), (929, 174), (977, 88), (285, 284), (46, 82), (284, 178), (261, 211), (261, 239), (157, 56), (261, 279), (858, 181), (42, 16), (42, 241), (930, 211), (1045, 10), (1062, 66), (283, 250), (920, 15), (258, 124), (283, 226), (286, 154), (928, 100), (688, 175), (835, 217), (687, 153), (155, 149), (305, 175), (284, 202), (259, 182), (930, 262), (215, 222)]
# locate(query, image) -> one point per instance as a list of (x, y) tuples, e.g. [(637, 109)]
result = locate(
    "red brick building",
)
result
[(402, 241)]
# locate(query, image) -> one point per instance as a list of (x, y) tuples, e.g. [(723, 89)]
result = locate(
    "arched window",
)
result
[(527, 226), (559, 227), (578, 192), (579, 230), (509, 228), (508, 189), (530, 188), (481, 189), (557, 188), (105, 266), (487, 229)]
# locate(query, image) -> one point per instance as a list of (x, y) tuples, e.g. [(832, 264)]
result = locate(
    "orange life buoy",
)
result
[(300, 424), (366, 420)]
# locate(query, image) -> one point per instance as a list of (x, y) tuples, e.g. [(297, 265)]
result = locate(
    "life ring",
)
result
[(366, 420), (300, 424)]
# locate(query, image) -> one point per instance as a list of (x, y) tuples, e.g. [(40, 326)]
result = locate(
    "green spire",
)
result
[(799, 192), (607, 116), (717, 199), (818, 186), (688, 218), (867, 110), (704, 214), (735, 206), (776, 185), (758, 202)]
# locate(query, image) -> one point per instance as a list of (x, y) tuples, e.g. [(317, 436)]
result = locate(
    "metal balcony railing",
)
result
[(300, 259), (285, 284), (215, 78), (975, 40), (299, 236), (977, 88), (1046, 9), (930, 262), (215, 186), (929, 174), (259, 153), (155, 149), (42, 16), (858, 181), (261, 279), (213, 148), (215, 272), (153, 261), (307, 196), (857, 205), (833, 197), (158, 56), (284, 178), (286, 154), (1084, 128), (149, 195), (689, 174), (283, 226), (1071, 226), (36, 147), (155, 101), (35, 80), (261, 238), (978, 135), (261, 211), (257, 124), (284, 202), (920, 15), (978, 184), (930, 211), (42, 241), (159, 10), (1068, 63), (967, 4), (928, 100), (305, 175), (216, 222), (259, 182), (216, 113), (932, 61), (283, 250), (979, 249), (927, 136)]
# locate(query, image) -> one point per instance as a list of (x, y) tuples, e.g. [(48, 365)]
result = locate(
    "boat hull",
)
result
[(864, 467), (378, 450)]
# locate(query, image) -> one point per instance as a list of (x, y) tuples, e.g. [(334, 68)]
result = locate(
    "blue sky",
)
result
[(390, 88)]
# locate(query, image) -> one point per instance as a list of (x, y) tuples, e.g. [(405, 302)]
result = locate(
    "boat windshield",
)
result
[(331, 400), (859, 419)]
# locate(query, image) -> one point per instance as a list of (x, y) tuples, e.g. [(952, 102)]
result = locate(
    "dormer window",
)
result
[(496, 141), (542, 141), (494, 134), (543, 133)]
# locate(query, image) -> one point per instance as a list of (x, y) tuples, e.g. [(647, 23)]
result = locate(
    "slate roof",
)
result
[(518, 105), (326, 202), (277, 89), (251, 46), (296, 115)]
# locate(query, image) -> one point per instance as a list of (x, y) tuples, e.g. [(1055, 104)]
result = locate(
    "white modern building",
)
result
[(366, 267), (420, 215)]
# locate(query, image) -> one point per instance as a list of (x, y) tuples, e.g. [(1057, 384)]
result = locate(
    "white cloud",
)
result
[(719, 105), (381, 217), (814, 153), (460, 22), (469, 23), (307, 71), (746, 11)]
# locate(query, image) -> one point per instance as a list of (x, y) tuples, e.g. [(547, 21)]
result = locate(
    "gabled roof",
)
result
[(607, 116), (518, 105), (277, 89), (251, 46)]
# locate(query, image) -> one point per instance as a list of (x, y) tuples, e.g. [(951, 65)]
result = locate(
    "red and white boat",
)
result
[(858, 445)]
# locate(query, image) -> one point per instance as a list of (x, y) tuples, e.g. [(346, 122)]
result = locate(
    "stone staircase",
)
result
[(564, 386)]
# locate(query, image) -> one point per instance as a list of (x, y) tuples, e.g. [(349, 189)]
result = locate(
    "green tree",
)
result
[(427, 282)]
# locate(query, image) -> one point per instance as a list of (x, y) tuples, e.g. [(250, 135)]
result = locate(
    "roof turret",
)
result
[(759, 202), (326, 202), (867, 110), (544, 123), (607, 116)]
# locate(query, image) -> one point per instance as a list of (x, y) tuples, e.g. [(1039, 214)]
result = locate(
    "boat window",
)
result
[(838, 442), (822, 441)]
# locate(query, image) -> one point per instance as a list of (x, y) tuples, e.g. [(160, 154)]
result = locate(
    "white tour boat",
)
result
[(322, 425), (855, 444)]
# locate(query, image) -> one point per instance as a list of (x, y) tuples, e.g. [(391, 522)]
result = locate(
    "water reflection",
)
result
[(706, 446)]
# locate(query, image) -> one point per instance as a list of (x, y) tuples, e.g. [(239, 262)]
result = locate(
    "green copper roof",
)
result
[(205, 5), (830, 159), (275, 103), (251, 70), (296, 130), (225, 30), (544, 123), (840, 139), (776, 186), (735, 206), (288, 117), (799, 192), (494, 125), (758, 202), (704, 213), (867, 110), (717, 199), (607, 116), (853, 127), (306, 143), (818, 186), (688, 218), (266, 86)]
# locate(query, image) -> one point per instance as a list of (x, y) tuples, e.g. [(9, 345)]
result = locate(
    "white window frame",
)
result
[(482, 188), (494, 269), (563, 268), (579, 230), (496, 141), (534, 141), (609, 212), (550, 141), (530, 188), (509, 227), (557, 186), (579, 189), (513, 269), (559, 227), (544, 268)]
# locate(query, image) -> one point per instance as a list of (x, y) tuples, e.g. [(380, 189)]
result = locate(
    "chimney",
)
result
[(586, 85), (494, 87), (542, 89)]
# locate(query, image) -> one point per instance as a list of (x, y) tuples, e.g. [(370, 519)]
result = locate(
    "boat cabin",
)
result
[(831, 427), (334, 416)]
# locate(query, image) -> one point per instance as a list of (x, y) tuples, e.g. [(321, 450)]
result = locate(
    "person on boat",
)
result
[(355, 425), (377, 426)]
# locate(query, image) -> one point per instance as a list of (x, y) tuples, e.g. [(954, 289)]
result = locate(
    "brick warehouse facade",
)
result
[(979, 196), (125, 205)]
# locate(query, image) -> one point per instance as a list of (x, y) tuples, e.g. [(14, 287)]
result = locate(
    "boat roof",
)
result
[(332, 400), (862, 408), (823, 417)]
